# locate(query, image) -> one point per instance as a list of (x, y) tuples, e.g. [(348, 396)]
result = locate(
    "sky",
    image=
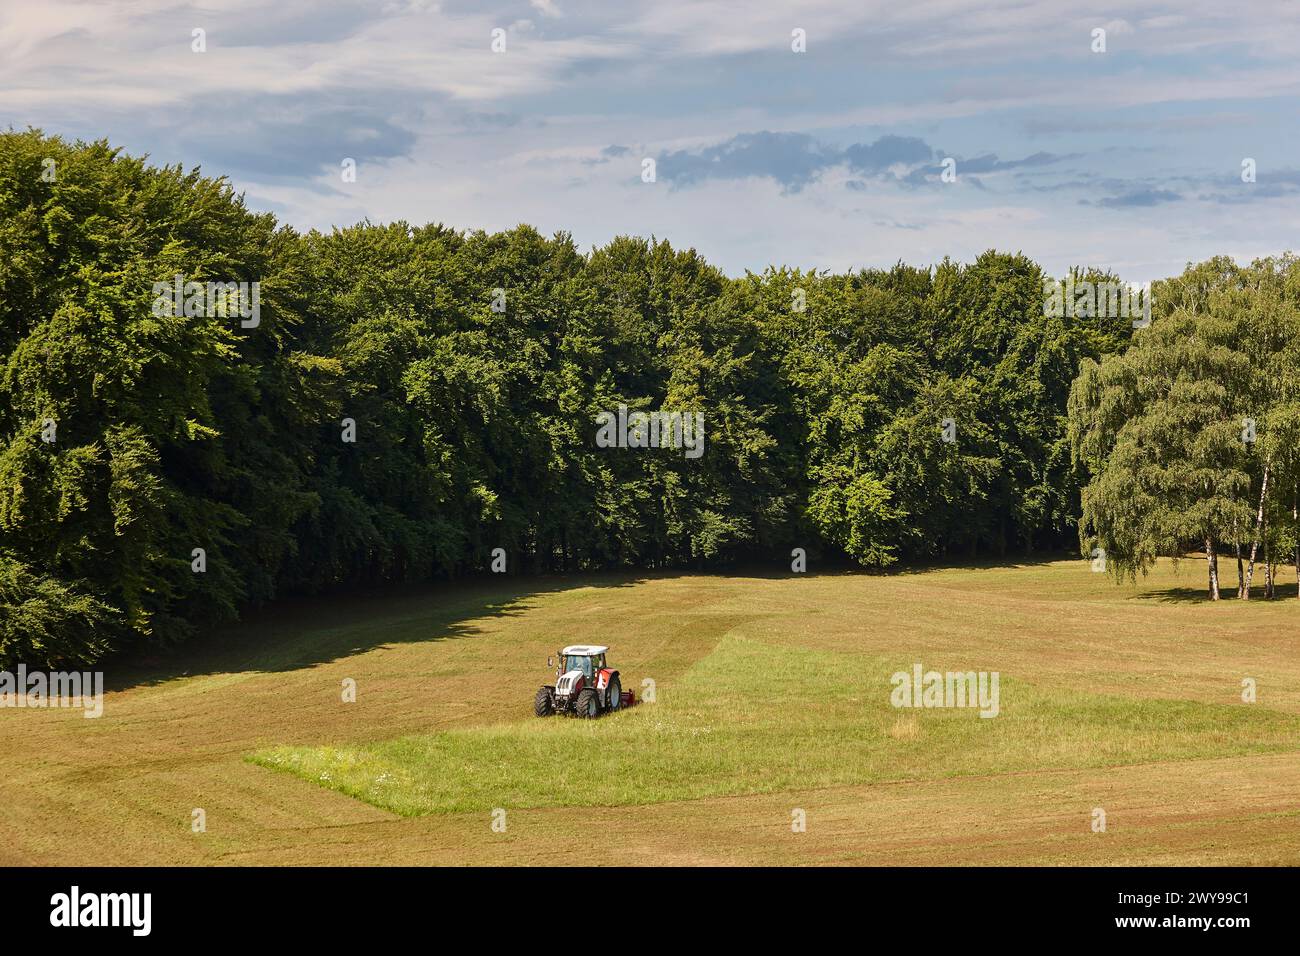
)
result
[(828, 157)]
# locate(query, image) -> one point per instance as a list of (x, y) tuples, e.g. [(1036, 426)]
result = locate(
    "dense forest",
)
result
[(407, 399)]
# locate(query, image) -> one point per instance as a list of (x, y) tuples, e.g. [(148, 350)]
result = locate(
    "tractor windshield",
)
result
[(576, 663)]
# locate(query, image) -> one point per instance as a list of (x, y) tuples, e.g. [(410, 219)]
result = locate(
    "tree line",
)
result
[(411, 398)]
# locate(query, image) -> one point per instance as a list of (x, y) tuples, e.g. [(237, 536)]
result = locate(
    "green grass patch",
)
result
[(754, 718)]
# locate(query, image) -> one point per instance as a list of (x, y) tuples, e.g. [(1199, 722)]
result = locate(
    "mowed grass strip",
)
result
[(756, 718)]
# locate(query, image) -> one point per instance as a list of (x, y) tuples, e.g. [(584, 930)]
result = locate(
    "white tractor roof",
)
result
[(584, 650)]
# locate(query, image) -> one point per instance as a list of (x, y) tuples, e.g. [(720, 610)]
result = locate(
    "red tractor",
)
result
[(583, 686)]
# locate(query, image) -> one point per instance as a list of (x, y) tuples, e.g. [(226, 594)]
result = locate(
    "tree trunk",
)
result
[(1241, 567), (1268, 559), (1212, 562), (1259, 528)]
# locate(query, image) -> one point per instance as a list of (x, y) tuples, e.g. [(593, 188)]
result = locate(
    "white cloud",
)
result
[(546, 8), (477, 139)]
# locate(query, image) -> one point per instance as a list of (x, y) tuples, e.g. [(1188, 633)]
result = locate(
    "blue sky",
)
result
[(1129, 159)]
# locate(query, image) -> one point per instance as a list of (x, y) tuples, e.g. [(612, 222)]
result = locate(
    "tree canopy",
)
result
[(1190, 436), (411, 398)]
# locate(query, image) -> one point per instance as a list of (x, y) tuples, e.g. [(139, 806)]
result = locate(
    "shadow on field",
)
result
[(1201, 595), (838, 566), (297, 632), (1181, 595)]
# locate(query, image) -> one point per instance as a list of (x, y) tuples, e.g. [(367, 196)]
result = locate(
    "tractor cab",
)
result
[(577, 659), (585, 685), (581, 665)]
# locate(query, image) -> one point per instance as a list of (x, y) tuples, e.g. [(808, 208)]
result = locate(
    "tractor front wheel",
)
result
[(543, 703), (588, 703), (615, 694)]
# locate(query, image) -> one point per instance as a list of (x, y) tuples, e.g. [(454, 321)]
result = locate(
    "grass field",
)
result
[(772, 694)]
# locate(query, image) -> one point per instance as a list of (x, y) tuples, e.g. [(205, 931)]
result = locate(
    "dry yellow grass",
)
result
[(121, 789)]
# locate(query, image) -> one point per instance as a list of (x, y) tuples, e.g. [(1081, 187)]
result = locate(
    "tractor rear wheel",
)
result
[(587, 704), (543, 703), (615, 694)]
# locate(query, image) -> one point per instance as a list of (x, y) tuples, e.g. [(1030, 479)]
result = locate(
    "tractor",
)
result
[(584, 686)]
